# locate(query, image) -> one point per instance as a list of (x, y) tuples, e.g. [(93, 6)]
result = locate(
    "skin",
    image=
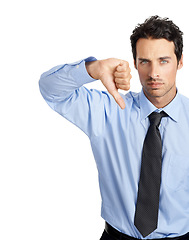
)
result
[(114, 74), (157, 67)]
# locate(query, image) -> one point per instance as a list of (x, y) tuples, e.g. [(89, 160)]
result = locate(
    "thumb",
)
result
[(118, 98)]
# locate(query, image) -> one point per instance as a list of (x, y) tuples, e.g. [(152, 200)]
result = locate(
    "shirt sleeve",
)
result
[(63, 90)]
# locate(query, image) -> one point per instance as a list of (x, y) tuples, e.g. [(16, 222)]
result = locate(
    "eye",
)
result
[(164, 61), (143, 62)]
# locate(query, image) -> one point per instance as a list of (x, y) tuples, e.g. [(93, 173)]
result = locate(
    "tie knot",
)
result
[(155, 118)]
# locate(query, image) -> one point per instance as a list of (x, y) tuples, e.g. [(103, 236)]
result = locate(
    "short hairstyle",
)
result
[(158, 28)]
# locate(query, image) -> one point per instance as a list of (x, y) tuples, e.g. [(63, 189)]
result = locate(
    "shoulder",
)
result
[(131, 97), (184, 99), (184, 106)]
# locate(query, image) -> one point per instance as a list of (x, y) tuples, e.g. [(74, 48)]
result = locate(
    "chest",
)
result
[(127, 135)]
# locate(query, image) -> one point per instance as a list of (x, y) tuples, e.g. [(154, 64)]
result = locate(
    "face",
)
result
[(157, 66)]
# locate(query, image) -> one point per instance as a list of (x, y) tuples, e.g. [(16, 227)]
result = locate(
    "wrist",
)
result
[(93, 69)]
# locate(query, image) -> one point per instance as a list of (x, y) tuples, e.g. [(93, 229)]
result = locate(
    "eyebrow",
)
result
[(161, 58)]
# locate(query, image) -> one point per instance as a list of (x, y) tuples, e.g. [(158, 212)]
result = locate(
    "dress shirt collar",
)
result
[(172, 109)]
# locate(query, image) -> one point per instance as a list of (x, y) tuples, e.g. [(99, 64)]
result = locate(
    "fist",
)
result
[(115, 74), (122, 76)]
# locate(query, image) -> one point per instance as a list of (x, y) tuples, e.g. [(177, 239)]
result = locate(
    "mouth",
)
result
[(155, 85)]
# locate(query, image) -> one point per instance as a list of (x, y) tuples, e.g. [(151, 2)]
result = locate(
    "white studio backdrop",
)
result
[(48, 177)]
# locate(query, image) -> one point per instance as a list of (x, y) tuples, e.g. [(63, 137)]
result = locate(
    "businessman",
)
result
[(139, 140)]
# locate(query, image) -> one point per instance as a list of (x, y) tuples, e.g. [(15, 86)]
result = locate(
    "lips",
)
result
[(155, 84)]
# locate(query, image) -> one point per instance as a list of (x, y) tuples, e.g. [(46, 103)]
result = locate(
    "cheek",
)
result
[(169, 74), (142, 75)]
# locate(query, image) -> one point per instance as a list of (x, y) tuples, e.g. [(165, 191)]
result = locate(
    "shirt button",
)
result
[(77, 66)]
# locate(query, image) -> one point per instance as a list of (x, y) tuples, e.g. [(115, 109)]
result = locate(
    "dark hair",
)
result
[(157, 28)]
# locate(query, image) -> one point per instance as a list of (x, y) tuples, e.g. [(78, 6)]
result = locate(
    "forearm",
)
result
[(62, 89), (60, 82)]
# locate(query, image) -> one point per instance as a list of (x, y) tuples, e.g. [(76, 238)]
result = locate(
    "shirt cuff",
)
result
[(79, 72)]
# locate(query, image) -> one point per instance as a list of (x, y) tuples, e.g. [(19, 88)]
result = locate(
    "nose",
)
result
[(154, 71)]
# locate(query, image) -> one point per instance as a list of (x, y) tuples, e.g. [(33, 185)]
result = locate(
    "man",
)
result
[(139, 140)]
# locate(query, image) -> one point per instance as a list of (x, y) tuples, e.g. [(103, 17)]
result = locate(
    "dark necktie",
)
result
[(146, 215)]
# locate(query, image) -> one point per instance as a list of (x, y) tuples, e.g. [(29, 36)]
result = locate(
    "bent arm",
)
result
[(60, 82), (63, 90)]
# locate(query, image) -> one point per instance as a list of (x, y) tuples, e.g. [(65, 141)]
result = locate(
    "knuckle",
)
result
[(123, 75), (117, 80), (127, 87), (128, 71), (126, 64), (119, 68), (115, 74)]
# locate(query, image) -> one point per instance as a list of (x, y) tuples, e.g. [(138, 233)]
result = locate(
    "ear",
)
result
[(180, 64)]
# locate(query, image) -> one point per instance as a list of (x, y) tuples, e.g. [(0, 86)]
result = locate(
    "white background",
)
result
[(48, 177)]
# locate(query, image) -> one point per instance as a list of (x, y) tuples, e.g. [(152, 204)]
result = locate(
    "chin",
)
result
[(154, 93)]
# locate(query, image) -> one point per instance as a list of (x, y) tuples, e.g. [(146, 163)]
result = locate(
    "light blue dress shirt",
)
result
[(116, 138)]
